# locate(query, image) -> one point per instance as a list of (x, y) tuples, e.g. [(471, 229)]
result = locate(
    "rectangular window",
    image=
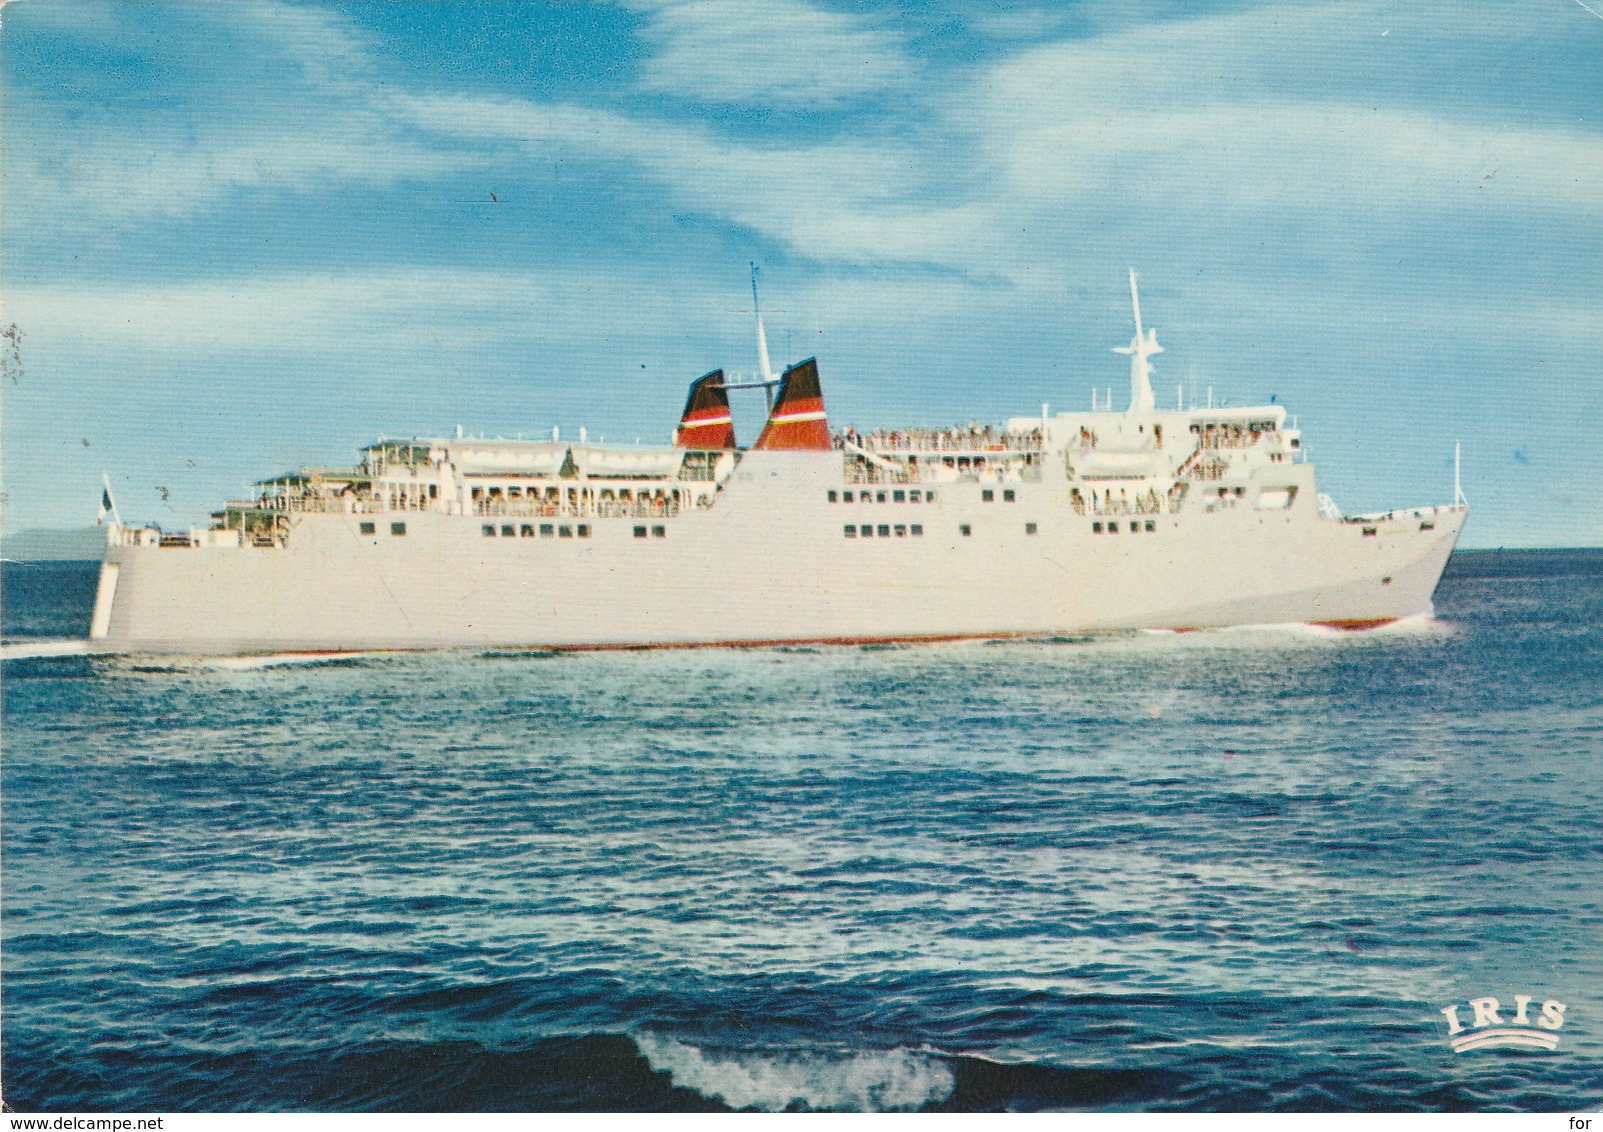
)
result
[(899, 496), (1007, 496), (884, 530), (1369, 532), (1029, 528), (584, 530), (868, 531), (397, 529), (917, 529), (489, 530), (851, 530), (547, 530), (1151, 526), (659, 532), (1427, 526), (913, 496), (965, 530), (988, 496), (879, 497), (640, 532), (901, 530), (833, 496), (564, 531), (367, 528), (1096, 528), (509, 531), (929, 497), (1134, 526), (526, 531), (1113, 528), (846, 497)]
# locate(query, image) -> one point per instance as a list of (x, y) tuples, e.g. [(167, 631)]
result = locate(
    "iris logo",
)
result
[(1490, 1031)]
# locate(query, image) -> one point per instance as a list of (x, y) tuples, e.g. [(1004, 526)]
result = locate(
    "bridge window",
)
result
[(366, 528), (398, 529)]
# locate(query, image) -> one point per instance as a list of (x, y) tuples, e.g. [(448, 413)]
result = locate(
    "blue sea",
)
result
[(1231, 870)]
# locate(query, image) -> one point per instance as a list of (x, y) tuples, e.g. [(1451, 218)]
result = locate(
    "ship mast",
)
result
[(1140, 349)]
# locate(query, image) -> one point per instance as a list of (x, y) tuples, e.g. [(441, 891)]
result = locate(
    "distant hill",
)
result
[(39, 545)]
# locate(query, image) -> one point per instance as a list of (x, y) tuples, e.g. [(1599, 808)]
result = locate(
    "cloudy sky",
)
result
[(243, 237)]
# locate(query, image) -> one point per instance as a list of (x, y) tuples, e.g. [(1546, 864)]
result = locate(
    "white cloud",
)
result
[(770, 52)]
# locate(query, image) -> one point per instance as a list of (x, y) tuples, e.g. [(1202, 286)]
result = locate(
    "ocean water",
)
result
[(1221, 870)]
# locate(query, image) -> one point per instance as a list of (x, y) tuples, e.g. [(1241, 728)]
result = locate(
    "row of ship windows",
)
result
[(916, 495), (1112, 528), (899, 530), (561, 530), (396, 529)]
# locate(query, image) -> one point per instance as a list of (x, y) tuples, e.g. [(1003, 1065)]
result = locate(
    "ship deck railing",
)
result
[(940, 441)]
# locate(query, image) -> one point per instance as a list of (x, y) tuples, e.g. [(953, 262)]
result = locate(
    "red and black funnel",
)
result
[(797, 420), (706, 423)]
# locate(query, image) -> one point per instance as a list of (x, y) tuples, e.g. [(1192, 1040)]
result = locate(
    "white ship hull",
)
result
[(769, 562)]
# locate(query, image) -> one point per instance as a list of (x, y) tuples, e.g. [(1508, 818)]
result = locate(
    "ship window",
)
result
[(547, 530), (868, 531), (1134, 526), (526, 531), (659, 532), (851, 530), (489, 530), (1295, 443), (1007, 496), (514, 493), (1096, 528), (879, 497), (640, 532), (397, 529), (929, 497), (1113, 528), (988, 495), (367, 528), (884, 530), (1369, 532), (965, 530), (1240, 491), (564, 532), (913, 496), (833, 496), (584, 530), (508, 531), (1029, 528), (434, 491), (1427, 526), (899, 496), (917, 530), (1151, 526), (846, 496), (901, 530)]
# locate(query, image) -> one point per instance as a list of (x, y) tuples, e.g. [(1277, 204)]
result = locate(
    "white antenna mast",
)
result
[(1458, 483), (762, 338), (1140, 349)]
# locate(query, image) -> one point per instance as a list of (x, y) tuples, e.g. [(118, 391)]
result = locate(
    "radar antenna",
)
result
[(1140, 350)]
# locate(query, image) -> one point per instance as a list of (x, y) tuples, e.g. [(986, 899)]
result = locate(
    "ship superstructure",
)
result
[(1138, 518)]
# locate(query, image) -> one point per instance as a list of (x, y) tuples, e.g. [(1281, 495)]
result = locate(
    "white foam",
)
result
[(20, 650), (869, 1081)]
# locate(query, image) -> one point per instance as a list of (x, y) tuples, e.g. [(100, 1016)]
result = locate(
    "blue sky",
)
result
[(243, 237)]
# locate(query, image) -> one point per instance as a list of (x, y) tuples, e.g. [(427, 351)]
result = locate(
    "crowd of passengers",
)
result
[(960, 438)]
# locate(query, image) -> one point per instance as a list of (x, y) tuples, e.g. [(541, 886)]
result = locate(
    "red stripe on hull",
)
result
[(1353, 626)]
